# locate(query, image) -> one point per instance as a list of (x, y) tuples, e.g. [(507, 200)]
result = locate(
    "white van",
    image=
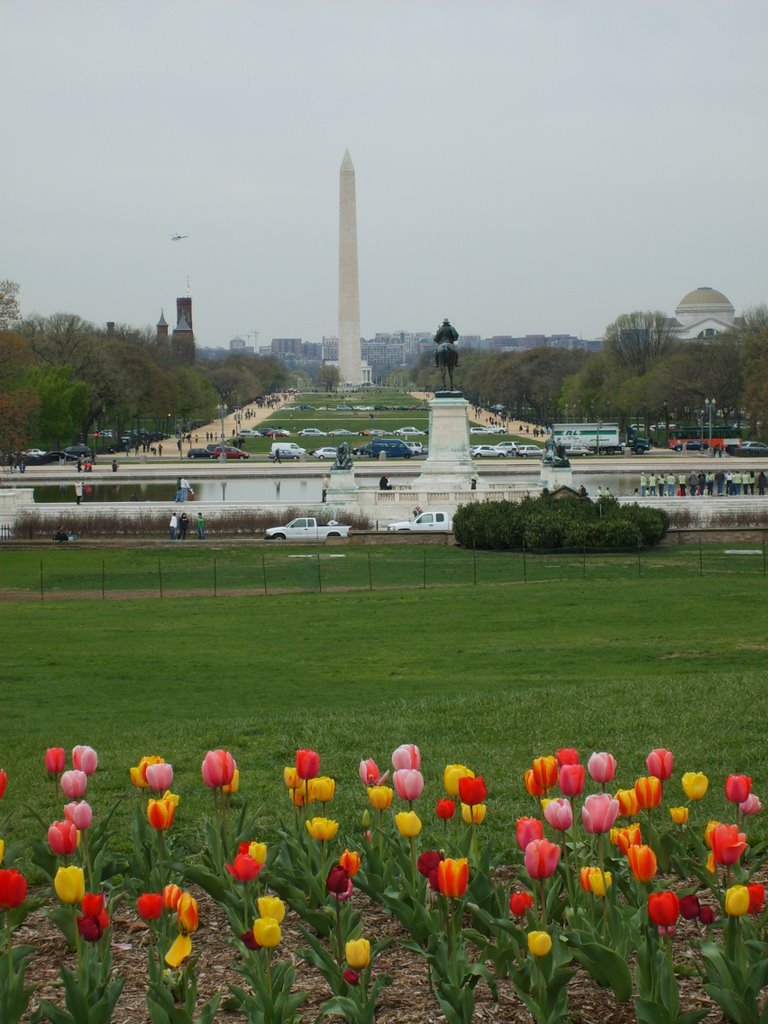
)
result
[(287, 450)]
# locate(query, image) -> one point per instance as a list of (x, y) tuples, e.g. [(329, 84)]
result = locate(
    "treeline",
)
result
[(61, 378), (643, 374)]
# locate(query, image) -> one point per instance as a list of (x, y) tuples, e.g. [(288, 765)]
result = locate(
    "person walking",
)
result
[(761, 482), (78, 491), (200, 526), (324, 486), (173, 525)]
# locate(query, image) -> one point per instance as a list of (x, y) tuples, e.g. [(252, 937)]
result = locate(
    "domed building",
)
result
[(703, 313)]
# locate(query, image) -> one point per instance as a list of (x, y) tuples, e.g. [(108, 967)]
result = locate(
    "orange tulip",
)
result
[(350, 861), (160, 813), (648, 790), (187, 914), (531, 785), (453, 877), (626, 837), (642, 861), (171, 896), (545, 770), (628, 803)]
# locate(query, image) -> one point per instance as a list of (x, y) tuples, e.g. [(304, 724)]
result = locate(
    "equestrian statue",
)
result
[(446, 353)]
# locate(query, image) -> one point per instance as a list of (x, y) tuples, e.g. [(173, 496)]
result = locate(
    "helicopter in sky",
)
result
[(178, 238)]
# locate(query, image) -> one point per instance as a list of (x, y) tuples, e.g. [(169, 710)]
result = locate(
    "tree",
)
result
[(62, 403), (635, 341), (752, 335), (328, 377), (9, 304)]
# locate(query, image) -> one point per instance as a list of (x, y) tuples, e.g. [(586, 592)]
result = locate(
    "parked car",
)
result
[(423, 523), (341, 433), (417, 447), (46, 459), (508, 447), (277, 432), (312, 432), (577, 449), (410, 432), (486, 451), (200, 453), (529, 451), (248, 432), (32, 453), (393, 447), (326, 452), (230, 452), (78, 451), (749, 449)]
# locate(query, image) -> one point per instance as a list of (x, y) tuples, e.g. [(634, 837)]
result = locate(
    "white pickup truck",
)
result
[(306, 529), (425, 522)]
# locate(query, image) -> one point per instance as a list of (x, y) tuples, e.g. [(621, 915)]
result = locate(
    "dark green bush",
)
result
[(545, 523)]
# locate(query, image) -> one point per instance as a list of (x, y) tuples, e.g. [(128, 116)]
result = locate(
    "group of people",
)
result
[(178, 526), (184, 490), (16, 461), (707, 484)]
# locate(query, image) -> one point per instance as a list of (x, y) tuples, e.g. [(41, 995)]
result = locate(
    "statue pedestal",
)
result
[(448, 465), (342, 487), (553, 477)]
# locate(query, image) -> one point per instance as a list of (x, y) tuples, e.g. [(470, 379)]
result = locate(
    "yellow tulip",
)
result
[(297, 797), (408, 824), (711, 826), (539, 943), (679, 815), (451, 775), (272, 906), (629, 805), (358, 953), (291, 777), (69, 884), (380, 797), (599, 881), (474, 814), (179, 951), (139, 772), (322, 828), (266, 931), (321, 789), (234, 785), (259, 852), (2, 850), (736, 900), (187, 914), (694, 785)]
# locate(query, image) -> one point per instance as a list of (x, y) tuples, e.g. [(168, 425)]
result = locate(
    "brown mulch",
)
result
[(408, 1000)]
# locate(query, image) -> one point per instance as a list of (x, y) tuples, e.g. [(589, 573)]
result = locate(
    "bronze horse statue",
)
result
[(446, 354)]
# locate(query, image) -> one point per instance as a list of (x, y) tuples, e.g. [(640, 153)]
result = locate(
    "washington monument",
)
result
[(350, 362)]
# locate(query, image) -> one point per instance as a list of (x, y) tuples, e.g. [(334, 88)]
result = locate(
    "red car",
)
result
[(229, 452)]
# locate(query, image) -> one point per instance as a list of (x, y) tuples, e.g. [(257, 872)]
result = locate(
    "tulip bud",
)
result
[(539, 943), (358, 953), (736, 900)]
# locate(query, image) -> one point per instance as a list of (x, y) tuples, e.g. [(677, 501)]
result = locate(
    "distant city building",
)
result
[(183, 338), (286, 346), (239, 346), (703, 313)]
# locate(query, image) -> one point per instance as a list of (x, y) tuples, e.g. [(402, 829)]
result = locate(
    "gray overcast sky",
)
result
[(521, 167)]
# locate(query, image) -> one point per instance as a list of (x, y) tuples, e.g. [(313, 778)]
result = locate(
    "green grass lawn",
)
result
[(486, 675)]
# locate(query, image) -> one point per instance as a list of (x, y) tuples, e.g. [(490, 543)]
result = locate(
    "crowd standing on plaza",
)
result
[(710, 483)]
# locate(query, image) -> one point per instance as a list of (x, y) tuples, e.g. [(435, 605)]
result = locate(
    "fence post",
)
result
[(638, 560), (474, 562), (102, 579), (319, 575), (584, 556), (763, 554), (215, 579), (525, 566), (424, 570), (42, 591), (160, 574), (264, 573), (370, 576), (701, 559)]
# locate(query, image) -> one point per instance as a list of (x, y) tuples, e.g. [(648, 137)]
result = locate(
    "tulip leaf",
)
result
[(606, 967)]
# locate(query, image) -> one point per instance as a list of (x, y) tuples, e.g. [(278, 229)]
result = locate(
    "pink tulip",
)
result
[(559, 814), (751, 805), (85, 759), (408, 783), (599, 813), (79, 813), (55, 760), (571, 779), (660, 763), (526, 830), (218, 768), (406, 756), (602, 767), (62, 838), (159, 776), (370, 774), (73, 784), (541, 858)]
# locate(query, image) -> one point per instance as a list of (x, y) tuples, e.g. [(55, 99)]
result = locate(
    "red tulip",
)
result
[(472, 791), (307, 764), (599, 813), (94, 920), (756, 896), (62, 838), (567, 755), (602, 767), (339, 883), (80, 814), (244, 868), (85, 759), (689, 908), (13, 888), (663, 908), (428, 861), (528, 829), (445, 809), (571, 779), (218, 768), (706, 915), (351, 977), (3, 782), (660, 763), (728, 844), (541, 858), (55, 760), (74, 784), (408, 783), (370, 774), (519, 902), (150, 906), (406, 756), (737, 788)]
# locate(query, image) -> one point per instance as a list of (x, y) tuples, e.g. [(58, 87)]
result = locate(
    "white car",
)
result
[(423, 523), (326, 452), (341, 433), (481, 430), (508, 447), (34, 452), (417, 447), (486, 451), (312, 432), (248, 432), (577, 449), (410, 432), (530, 451)]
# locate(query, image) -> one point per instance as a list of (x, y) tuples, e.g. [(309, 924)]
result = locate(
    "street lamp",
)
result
[(222, 410), (710, 403)]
